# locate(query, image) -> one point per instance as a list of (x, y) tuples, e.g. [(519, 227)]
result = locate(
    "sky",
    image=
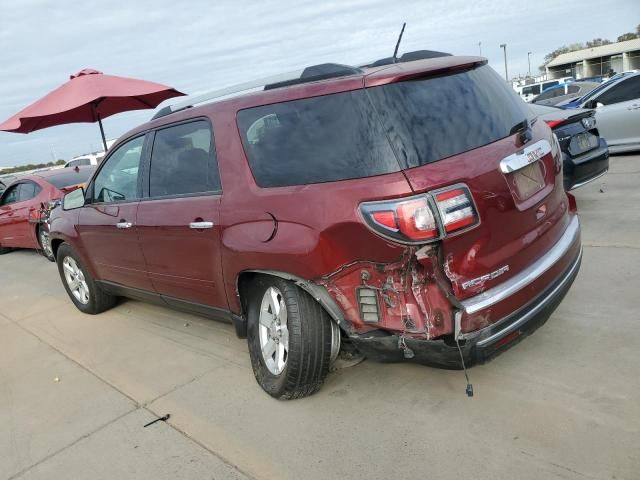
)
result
[(201, 45)]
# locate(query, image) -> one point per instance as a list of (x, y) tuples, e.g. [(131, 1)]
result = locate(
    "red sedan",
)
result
[(25, 203)]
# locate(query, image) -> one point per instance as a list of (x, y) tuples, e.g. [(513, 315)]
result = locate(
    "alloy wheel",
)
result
[(75, 280), (273, 331)]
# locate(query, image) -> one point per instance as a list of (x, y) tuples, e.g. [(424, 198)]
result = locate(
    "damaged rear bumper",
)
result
[(478, 346)]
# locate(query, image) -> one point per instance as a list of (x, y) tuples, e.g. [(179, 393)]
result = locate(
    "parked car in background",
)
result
[(84, 160), (528, 92), (585, 153), (367, 205), (617, 112), (576, 102), (26, 203), (564, 92)]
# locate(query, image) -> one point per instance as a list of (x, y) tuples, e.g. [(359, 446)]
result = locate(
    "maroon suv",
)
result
[(414, 211)]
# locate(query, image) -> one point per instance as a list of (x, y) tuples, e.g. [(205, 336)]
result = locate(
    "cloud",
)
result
[(201, 45)]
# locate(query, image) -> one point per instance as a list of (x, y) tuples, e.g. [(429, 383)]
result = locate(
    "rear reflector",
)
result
[(423, 218)]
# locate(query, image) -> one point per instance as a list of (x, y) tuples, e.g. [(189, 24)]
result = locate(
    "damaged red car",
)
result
[(413, 211)]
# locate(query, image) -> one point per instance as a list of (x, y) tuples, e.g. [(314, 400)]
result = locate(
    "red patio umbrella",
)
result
[(88, 96)]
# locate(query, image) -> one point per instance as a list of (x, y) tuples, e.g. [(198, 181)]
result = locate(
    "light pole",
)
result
[(506, 74), (529, 60), (480, 47)]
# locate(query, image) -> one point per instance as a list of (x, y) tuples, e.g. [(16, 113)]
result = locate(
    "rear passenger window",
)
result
[(183, 161), (315, 140), (28, 190)]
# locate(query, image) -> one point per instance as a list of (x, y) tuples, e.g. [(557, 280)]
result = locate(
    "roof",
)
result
[(60, 171), (595, 52)]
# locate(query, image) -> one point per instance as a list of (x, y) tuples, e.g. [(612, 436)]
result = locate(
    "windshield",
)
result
[(431, 119), (598, 89)]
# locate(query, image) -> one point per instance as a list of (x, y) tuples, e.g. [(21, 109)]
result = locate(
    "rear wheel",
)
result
[(290, 339), (45, 243), (82, 289)]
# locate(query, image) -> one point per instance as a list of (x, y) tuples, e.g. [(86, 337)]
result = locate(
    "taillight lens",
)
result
[(456, 209), (423, 218)]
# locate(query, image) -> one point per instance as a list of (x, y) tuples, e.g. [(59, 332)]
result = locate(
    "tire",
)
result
[(96, 300), (4, 250), (42, 234), (308, 332)]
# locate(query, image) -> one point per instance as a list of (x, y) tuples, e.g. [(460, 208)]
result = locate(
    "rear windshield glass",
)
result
[(431, 119), (314, 140), (70, 178), (354, 134)]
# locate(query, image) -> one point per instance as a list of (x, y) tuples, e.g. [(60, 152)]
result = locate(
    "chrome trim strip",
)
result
[(526, 276), (589, 180), (529, 154), (527, 316)]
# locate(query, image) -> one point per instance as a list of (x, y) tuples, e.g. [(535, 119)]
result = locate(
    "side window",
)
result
[(10, 196), (27, 191), (182, 161), (118, 179), (548, 84), (573, 89), (624, 91), (545, 95)]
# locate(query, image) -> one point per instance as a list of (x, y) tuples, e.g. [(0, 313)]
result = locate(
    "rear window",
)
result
[(354, 134), (315, 140), (428, 120), (70, 178)]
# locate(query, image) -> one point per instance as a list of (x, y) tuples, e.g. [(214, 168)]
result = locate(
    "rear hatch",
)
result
[(470, 127)]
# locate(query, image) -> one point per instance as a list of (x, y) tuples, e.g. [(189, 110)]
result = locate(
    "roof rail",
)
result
[(310, 74)]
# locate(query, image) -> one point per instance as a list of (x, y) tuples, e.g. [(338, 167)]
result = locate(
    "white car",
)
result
[(617, 107)]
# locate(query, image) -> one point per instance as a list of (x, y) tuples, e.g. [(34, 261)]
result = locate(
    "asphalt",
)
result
[(77, 390)]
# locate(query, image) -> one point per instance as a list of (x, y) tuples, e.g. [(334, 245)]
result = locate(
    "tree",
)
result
[(627, 36), (638, 30), (598, 42), (61, 162)]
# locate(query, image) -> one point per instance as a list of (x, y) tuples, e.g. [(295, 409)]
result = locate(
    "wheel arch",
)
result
[(318, 292)]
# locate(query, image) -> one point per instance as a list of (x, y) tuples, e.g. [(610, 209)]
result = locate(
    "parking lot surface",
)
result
[(76, 390)]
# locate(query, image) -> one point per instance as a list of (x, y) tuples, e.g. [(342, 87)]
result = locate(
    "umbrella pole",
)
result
[(104, 140)]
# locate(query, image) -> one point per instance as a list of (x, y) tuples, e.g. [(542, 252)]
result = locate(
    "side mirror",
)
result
[(73, 199)]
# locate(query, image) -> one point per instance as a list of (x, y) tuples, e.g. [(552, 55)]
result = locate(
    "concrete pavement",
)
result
[(561, 404)]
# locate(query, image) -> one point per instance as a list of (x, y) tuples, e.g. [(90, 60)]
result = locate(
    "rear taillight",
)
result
[(423, 218), (555, 123)]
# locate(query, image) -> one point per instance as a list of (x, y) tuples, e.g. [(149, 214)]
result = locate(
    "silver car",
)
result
[(564, 92), (617, 112)]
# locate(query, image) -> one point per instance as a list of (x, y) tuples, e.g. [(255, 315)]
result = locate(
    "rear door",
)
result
[(179, 220), (467, 128), (618, 119), (108, 222)]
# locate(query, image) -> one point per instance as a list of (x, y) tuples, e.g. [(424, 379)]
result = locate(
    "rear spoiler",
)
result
[(400, 72)]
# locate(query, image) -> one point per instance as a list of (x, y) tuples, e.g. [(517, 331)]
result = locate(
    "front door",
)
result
[(107, 222), (178, 221), (15, 208)]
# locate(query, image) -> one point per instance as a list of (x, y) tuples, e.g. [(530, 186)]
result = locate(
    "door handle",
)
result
[(200, 225), (123, 225)]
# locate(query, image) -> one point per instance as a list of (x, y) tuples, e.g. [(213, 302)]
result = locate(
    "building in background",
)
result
[(597, 61)]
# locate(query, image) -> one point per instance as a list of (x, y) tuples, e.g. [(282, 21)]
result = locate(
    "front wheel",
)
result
[(82, 289), (290, 339)]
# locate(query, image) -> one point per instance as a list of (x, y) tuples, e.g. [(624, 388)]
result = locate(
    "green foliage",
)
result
[(31, 166), (628, 36)]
